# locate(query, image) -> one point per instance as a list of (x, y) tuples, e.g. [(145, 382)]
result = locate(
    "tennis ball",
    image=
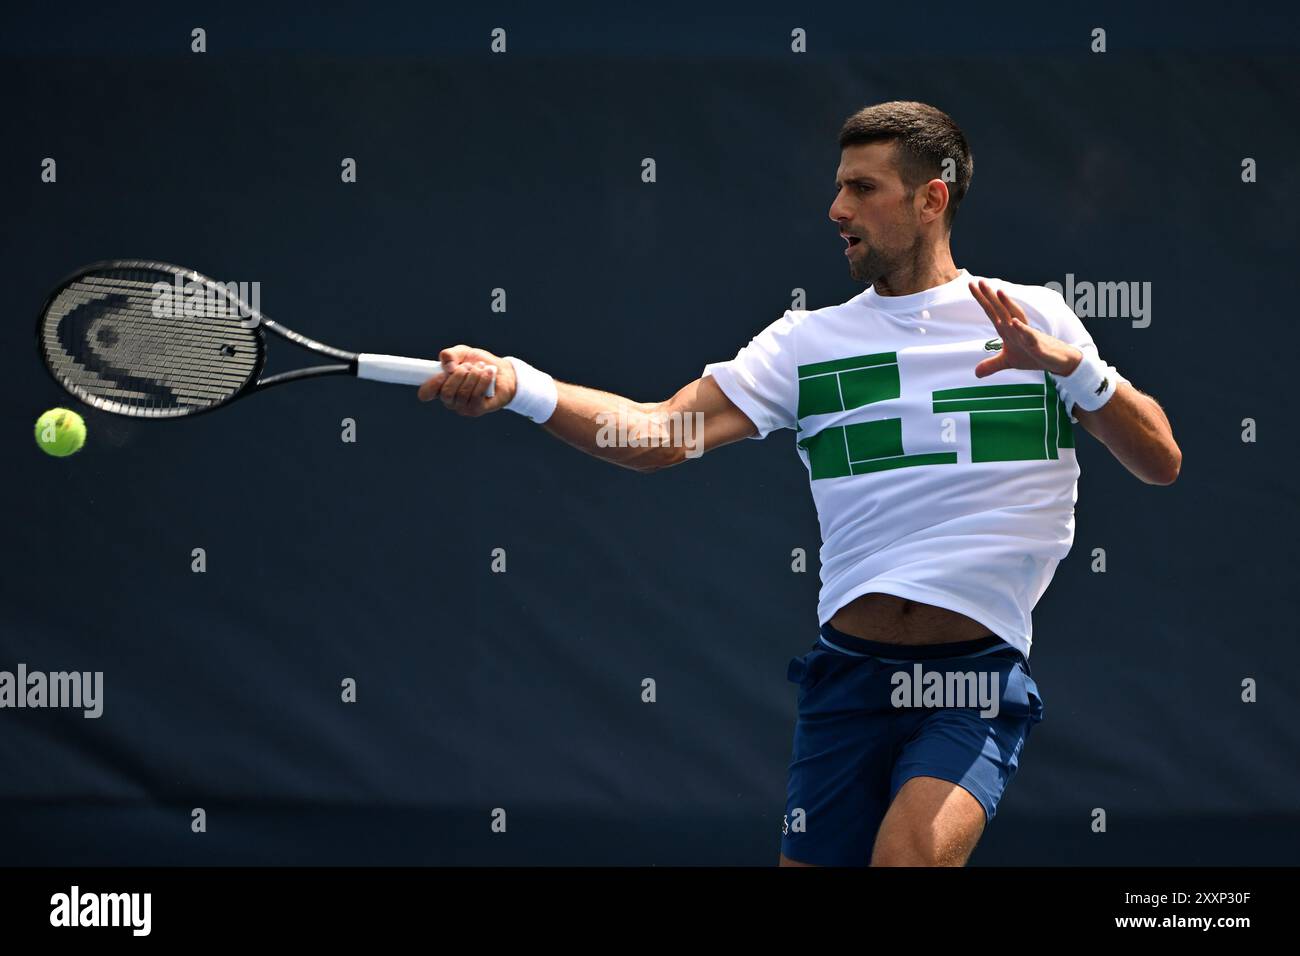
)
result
[(60, 432)]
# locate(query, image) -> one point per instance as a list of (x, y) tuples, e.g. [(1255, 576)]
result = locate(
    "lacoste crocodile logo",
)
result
[(993, 345)]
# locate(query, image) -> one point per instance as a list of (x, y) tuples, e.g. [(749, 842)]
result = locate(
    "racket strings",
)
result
[(141, 361), (103, 338), (155, 347)]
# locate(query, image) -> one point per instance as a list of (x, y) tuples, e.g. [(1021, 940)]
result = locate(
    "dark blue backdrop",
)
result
[(371, 560)]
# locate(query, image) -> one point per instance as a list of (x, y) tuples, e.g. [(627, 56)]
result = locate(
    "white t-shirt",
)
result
[(930, 484)]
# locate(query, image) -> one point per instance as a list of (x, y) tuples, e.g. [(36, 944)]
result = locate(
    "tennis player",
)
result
[(934, 414)]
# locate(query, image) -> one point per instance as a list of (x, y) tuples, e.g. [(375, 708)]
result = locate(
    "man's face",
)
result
[(873, 209)]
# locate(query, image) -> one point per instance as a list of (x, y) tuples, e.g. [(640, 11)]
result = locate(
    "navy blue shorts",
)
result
[(873, 715)]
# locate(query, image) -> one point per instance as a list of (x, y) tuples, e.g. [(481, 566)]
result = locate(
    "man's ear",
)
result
[(936, 200)]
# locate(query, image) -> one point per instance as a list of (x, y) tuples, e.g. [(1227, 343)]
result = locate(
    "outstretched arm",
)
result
[(643, 436)]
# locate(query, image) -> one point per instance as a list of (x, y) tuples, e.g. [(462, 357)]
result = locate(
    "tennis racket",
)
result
[(152, 340)]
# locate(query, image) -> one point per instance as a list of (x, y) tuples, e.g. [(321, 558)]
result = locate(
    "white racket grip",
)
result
[(400, 370)]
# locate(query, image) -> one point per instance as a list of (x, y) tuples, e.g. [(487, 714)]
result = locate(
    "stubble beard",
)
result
[(866, 264)]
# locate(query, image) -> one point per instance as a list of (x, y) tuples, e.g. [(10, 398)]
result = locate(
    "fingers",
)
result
[(999, 306), (454, 355), (484, 374), (452, 386), (469, 382), (1005, 314), (449, 358), (430, 389), (1011, 308), (463, 383), (990, 365), (992, 307), (464, 388)]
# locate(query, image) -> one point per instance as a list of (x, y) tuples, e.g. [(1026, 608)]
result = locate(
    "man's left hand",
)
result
[(1023, 346)]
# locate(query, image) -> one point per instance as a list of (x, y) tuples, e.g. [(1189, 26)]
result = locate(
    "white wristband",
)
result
[(1090, 385), (535, 392)]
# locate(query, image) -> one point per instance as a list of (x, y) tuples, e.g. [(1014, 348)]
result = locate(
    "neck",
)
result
[(925, 269)]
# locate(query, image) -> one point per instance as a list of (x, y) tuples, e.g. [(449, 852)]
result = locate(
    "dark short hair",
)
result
[(924, 137)]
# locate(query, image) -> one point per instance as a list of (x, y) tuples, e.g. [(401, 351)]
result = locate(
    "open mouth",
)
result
[(850, 241)]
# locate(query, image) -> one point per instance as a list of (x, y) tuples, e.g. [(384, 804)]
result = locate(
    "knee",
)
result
[(917, 849)]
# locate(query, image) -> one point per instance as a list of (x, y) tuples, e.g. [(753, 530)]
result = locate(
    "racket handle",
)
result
[(403, 371)]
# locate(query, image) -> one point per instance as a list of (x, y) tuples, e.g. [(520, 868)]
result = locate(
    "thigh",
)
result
[(967, 755), (931, 822)]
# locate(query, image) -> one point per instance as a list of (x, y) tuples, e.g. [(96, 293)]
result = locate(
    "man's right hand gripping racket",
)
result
[(118, 337)]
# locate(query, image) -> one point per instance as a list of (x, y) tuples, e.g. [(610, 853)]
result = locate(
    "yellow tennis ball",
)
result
[(60, 432)]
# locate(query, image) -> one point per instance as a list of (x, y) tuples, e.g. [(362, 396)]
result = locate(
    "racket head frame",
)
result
[(259, 324)]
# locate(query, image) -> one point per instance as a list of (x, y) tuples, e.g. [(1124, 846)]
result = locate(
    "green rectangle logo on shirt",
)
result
[(829, 387)]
